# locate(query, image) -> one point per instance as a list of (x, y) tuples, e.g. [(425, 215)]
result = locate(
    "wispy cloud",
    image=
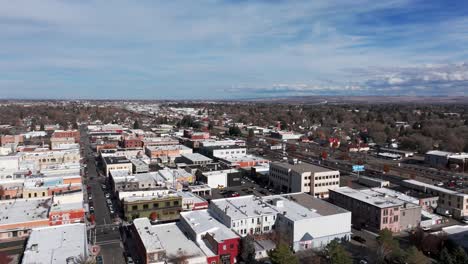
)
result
[(216, 49)]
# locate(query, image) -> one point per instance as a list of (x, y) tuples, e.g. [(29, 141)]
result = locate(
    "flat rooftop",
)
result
[(196, 157), (243, 158), (116, 160), (433, 187), (167, 147), (166, 237), (24, 210), (55, 244), (202, 222), (301, 167), (370, 196), (320, 206), (251, 206)]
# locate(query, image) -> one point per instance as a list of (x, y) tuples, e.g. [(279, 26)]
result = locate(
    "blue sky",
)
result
[(232, 49)]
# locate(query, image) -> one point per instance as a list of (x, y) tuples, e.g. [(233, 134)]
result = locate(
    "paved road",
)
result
[(105, 234)]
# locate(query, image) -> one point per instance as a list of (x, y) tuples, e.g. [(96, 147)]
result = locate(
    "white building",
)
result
[(302, 220), (60, 244), (303, 177), (164, 243)]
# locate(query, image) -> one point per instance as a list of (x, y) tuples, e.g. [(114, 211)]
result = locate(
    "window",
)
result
[(395, 218), (168, 204), (231, 246), (385, 212), (176, 202), (385, 220), (134, 207), (155, 205), (266, 228), (145, 206)]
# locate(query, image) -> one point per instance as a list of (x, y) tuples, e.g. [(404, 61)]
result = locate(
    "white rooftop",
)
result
[(56, 244), (24, 210), (202, 222), (371, 197), (166, 237), (433, 187), (196, 157), (168, 147)]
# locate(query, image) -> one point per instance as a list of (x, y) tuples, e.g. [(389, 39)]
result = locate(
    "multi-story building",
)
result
[(313, 223), (139, 166), (195, 159), (165, 243), (44, 159), (449, 203), (117, 163), (22, 215), (243, 161), (297, 176), (220, 178), (376, 210), (60, 142), (157, 205), (57, 244), (211, 235), (219, 152), (166, 153), (132, 143), (67, 134)]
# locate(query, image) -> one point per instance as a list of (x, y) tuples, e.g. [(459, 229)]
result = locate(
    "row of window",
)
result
[(327, 177), (386, 219), (326, 184), (156, 205), (242, 222)]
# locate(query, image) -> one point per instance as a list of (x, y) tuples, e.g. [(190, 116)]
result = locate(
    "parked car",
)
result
[(130, 260), (107, 195), (90, 197), (359, 239), (91, 209)]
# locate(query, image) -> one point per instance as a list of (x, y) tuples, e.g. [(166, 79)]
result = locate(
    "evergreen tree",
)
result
[(235, 131), (414, 256), (136, 125), (445, 257), (282, 255), (247, 249), (42, 127), (338, 254), (459, 256)]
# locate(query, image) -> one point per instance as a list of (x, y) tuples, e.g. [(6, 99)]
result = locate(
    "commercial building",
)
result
[(294, 176), (191, 201), (244, 161), (19, 216), (166, 153), (312, 225), (157, 205), (375, 209), (132, 143), (285, 135), (165, 243), (195, 159), (211, 236), (220, 178), (117, 163), (57, 244), (223, 151), (449, 203), (139, 166)]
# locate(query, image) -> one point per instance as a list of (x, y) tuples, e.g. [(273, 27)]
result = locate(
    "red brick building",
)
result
[(132, 143), (67, 134)]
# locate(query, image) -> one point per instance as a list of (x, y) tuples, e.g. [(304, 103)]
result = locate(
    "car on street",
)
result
[(90, 197), (109, 201), (91, 209), (103, 186), (107, 195), (130, 260)]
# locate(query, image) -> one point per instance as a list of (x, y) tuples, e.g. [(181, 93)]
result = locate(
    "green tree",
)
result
[(459, 256), (136, 125), (414, 256), (247, 249), (445, 257), (251, 133), (388, 248), (75, 125), (282, 255), (42, 128), (338, 255), (235, 131)]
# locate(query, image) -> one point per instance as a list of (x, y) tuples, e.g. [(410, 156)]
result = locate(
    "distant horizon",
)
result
[(232, 49)]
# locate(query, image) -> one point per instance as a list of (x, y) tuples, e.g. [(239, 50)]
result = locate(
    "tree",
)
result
[(235, 131), (75, 125), (388, 248), (251, 133), (338, 255), (414, 256), (282, 255), (445, 257), (459, 255), (136, 125), (42, 128), (210, 125), (247, 249)]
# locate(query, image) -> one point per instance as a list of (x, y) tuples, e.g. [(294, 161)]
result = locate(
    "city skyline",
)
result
[(232, 49)]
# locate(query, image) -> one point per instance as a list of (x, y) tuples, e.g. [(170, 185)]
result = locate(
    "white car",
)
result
[(107, 195), (90, 197)]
